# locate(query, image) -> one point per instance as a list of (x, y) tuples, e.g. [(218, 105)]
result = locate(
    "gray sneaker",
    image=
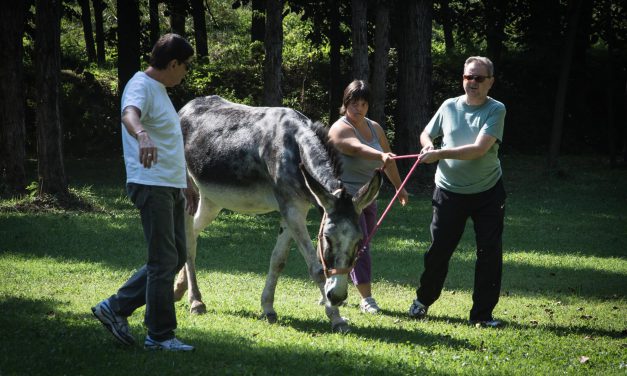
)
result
[(369, 305), (117, 325), (418, 310), (172, 344)]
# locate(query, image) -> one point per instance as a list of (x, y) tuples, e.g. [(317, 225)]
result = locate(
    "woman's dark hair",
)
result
[(170, 47), (356, 90)]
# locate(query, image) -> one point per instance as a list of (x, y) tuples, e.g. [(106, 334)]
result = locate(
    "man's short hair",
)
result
[(483, 61), (170, 47)]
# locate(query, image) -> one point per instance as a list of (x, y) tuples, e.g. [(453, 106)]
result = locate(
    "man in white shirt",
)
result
[(157, 185)]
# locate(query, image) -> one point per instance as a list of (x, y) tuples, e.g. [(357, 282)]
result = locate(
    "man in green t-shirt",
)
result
[(468, 184)]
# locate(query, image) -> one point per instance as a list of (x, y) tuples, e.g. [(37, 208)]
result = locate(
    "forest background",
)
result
[(561, 69)]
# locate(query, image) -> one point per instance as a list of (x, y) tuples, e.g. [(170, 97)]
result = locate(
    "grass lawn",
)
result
[(563, 297)]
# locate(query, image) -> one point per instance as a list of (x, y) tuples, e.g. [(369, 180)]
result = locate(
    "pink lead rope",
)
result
[(385, 212)]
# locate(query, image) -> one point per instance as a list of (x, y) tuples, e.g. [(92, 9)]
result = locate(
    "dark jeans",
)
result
[(162, 211), (450, 212)]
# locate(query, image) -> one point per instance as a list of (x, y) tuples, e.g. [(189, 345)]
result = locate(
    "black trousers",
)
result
[(450, 213)]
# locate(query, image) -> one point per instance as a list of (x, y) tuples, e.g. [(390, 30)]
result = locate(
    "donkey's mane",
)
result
[(322, 132), (319, 157)]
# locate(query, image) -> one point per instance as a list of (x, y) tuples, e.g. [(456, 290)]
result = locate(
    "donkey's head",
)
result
[(340, 236)]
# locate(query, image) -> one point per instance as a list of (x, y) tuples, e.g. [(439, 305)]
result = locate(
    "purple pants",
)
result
[(362, 272)]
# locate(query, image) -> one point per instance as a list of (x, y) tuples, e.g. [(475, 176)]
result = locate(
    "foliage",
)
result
[(89, 109), (526, 72), (563, 297)]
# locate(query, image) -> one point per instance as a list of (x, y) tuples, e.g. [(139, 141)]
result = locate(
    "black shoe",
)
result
[(486, 323), (418, 310)]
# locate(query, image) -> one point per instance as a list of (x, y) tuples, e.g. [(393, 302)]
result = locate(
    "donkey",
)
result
[(257, 160)]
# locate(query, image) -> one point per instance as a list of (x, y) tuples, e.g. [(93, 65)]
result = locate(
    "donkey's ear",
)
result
[(368, 193), (325, 199)]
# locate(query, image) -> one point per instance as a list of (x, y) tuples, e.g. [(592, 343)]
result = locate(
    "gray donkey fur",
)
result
[(261, 159)]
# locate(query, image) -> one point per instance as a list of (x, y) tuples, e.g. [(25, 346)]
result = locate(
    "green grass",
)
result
[(563, 295)]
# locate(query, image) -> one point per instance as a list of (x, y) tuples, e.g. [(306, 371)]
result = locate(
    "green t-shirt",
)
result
[(460, 124)]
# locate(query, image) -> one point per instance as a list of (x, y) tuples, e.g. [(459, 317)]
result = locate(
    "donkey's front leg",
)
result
[(300, 234), (277, 263)]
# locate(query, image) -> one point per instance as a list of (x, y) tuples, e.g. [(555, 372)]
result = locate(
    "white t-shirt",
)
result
[(162, 124)]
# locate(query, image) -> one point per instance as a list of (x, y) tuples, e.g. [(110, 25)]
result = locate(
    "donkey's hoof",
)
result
[(341, 327), (271, 317), (198, 308)]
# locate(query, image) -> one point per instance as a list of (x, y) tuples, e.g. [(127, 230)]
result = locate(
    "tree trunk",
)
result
[(380, 66), (625, 125), (580, 103), (51, 170), (495, 28), (414, 81), (12, 137), (609, 100), (155, 30), (272, 95), (447, 25), (87, 30), (128, 41), (258, 24), (562, 89), (543, 32), (335, 62), (99, 7), (360, 39), (178, 11), (610, 85), (200, 27)]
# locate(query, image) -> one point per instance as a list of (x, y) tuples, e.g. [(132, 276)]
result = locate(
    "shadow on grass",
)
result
[(39, 339), (119, 243), (544, 217), (558, 330), (387, 335)]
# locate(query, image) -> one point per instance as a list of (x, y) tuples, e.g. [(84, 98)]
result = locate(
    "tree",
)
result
[(99, 7), (539, 31), (155, 30), (335, 61), (12, 138), (178, 11), (200, 27), (50, 166), (128, 41), (87, 30), (272, 94), (258, 19), (360, 39), (380, 64), (258, 24), (414, 69), (445, 17), (562, 89), (495, 12)]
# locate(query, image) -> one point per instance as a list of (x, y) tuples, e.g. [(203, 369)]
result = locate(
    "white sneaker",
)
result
[(369, 305), (117, 325), (172, 344)]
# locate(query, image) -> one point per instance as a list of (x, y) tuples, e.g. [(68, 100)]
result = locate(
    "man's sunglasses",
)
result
[(470, 77)]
